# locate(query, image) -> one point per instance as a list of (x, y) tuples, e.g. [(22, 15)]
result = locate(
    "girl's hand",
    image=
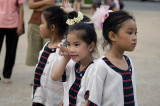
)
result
[(66, 6), (63, 51), (59, 69)]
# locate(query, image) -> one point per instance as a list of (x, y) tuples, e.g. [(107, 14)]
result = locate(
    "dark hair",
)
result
[(54, 15), (114, 23), (87, 20), (74, 14), (85, 31)]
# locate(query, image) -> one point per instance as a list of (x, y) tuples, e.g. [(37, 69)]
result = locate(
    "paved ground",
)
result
[(146, 58)]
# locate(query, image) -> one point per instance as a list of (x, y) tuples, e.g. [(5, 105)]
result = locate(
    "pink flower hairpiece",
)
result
[(100, 16)]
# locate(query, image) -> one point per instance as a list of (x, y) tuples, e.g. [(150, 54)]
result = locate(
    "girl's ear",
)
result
[(91, 47), (52, 27), (112, 36)]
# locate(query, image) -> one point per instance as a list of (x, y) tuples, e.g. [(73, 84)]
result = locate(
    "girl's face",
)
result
[(77, 48), (45, 32), (127, 35)]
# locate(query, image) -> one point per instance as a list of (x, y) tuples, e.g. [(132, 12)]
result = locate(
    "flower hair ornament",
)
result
[(100, 16), (74, 17)]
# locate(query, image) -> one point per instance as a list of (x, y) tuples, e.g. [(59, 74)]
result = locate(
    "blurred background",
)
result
[(146, 56)]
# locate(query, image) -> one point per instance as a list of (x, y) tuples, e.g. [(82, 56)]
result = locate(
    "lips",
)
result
[(73, 56), (134, 44)]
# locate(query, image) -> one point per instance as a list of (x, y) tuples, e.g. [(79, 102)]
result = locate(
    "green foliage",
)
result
[(88, 1)]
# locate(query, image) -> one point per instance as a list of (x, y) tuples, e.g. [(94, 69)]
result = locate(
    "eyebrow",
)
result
[(74, 42), (131, 29)]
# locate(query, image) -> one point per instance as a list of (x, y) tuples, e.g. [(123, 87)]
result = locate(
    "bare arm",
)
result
[(42, 8), (20, 25), (39, 4), (60, 67)]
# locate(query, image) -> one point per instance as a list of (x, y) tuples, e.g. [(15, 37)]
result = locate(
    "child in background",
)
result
[(114, 77), (35, 41), (45, 90), (77, 72)]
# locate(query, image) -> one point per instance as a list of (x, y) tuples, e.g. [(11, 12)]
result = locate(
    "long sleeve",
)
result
[(96, 91)]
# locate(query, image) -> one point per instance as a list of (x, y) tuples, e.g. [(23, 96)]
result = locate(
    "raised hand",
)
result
[(66, 6), (63, 51)]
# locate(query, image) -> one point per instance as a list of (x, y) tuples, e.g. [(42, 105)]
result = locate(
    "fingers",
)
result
[(63, 50), (66, 6), (61, 47), (64, 3), (19, 32), (60, 50)]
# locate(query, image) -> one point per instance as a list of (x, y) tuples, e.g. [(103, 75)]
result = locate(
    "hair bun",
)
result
[(72, 14)]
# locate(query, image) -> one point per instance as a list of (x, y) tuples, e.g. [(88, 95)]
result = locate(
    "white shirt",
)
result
[(107, 89), (85, 83), (50, 93)]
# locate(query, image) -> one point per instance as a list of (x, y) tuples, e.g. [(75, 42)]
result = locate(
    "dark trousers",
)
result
[(11, 46), (37, 104)]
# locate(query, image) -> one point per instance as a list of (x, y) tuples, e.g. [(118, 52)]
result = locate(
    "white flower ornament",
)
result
[(75, 20)]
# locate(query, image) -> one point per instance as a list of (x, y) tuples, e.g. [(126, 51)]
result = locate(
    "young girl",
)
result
[(35, 41), (76, 73), (45, 90), (114, 80)]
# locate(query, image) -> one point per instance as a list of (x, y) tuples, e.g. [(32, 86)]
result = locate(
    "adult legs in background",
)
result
[(77, 5), (35, 44), (2, 33), (11, 47)]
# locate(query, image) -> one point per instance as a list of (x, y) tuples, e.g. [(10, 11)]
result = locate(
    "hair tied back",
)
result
[(100, 15)]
